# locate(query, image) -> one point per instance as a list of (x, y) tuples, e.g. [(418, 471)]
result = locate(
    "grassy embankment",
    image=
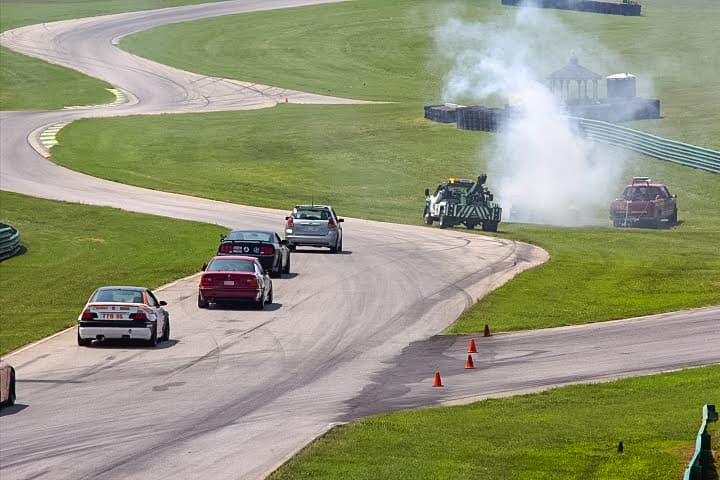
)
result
[(72, 249), (30, 84)]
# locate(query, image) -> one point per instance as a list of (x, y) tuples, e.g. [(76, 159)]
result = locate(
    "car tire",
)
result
[(339, 247), (83, 342), (443, 220), (153, 337), (270, 296), (470, 225), (292, 248), (489, 226), (202, 303), (673, 217), (260, 304), (11, 395), (166, 334), (286, 269), (426, 217)]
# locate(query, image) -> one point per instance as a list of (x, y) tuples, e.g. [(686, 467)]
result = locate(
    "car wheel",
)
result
[(166, 334), (11, 395), (287, 265), (270, 296), (426, 217), (470, 225), (260, 304), (153, 337), (338, 249), (443, 220), (202, 303), (489, 226), (292, 248), (617, 223), (673, 217), (83, 342)]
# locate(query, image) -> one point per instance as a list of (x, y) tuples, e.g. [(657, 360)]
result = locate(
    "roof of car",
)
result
[(122, 287), (269, 232), (313, 206), (234, 257)]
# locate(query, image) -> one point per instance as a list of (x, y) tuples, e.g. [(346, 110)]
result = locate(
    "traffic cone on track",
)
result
[(471, 347), (469, 363), (487, 331), (436, 381)]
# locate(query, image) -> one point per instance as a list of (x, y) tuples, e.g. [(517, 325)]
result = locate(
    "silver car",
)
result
[(7, 384), (314, 226)]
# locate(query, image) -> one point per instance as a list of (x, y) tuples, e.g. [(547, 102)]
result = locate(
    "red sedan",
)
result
[(234, 278)]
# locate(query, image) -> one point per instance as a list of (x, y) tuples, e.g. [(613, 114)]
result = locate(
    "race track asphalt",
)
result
[(236, 391)]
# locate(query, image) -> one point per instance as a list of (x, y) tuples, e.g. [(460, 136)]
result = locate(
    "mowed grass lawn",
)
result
[(564, 433), (30, 84), (72, 249)]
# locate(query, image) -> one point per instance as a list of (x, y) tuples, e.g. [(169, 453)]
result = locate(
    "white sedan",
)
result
[(123, 313)]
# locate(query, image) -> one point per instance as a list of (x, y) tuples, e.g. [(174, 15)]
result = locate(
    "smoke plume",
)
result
[(540, 169)]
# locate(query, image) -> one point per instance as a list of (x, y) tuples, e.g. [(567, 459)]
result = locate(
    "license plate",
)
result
[(246, 249), (229, 282)]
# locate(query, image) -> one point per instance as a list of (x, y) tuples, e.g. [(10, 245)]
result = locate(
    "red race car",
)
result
[(234, 278)]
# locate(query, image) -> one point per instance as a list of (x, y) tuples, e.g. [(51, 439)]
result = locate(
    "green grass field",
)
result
[(381, 50), (72, 249), (30, 84), (565, 433)]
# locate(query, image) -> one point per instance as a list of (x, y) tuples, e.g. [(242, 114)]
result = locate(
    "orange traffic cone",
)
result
[(436, 381), (471, 347), (487, 331), (469, 363)]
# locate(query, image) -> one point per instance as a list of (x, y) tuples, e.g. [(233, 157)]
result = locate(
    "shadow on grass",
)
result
[(21, 251)]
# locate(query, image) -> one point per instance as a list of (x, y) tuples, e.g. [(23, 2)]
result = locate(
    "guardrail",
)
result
[(652, 145), (701, 462), (9, 241)]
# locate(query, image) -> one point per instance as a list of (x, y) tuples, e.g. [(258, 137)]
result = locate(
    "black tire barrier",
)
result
[(446, 113), (481, 118), (627, 8), (9, 241)]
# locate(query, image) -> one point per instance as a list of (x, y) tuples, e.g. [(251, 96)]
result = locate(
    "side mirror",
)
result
[(288, 217), (427, 192), (340, 220), (163, 303), (204, 267), (283, 242)]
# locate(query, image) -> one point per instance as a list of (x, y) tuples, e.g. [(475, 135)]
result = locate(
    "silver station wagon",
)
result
[(314, 226)]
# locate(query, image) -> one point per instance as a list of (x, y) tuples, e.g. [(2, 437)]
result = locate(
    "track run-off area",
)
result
[(237, 392)]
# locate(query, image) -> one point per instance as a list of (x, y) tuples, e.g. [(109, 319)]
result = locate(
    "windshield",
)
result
[(642, 193), (249, 236), (311, 213), (231, 265), (121, 295)]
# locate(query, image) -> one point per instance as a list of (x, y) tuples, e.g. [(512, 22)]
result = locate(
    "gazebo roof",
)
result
[(573, 71)]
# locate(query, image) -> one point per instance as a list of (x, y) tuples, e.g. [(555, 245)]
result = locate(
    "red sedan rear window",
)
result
[(231, 265)]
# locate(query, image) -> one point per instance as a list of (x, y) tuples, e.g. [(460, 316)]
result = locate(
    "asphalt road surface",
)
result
[(236, 392)]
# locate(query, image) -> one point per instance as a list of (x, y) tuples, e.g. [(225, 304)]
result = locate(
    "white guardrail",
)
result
[(654, 146)]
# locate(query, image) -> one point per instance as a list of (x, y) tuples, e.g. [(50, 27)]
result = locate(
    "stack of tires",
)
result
[(9, 241)]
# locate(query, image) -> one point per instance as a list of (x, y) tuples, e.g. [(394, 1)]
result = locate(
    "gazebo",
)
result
[(561, 80)]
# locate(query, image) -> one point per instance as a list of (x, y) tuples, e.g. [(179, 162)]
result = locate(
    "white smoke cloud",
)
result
[(540, 170)]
